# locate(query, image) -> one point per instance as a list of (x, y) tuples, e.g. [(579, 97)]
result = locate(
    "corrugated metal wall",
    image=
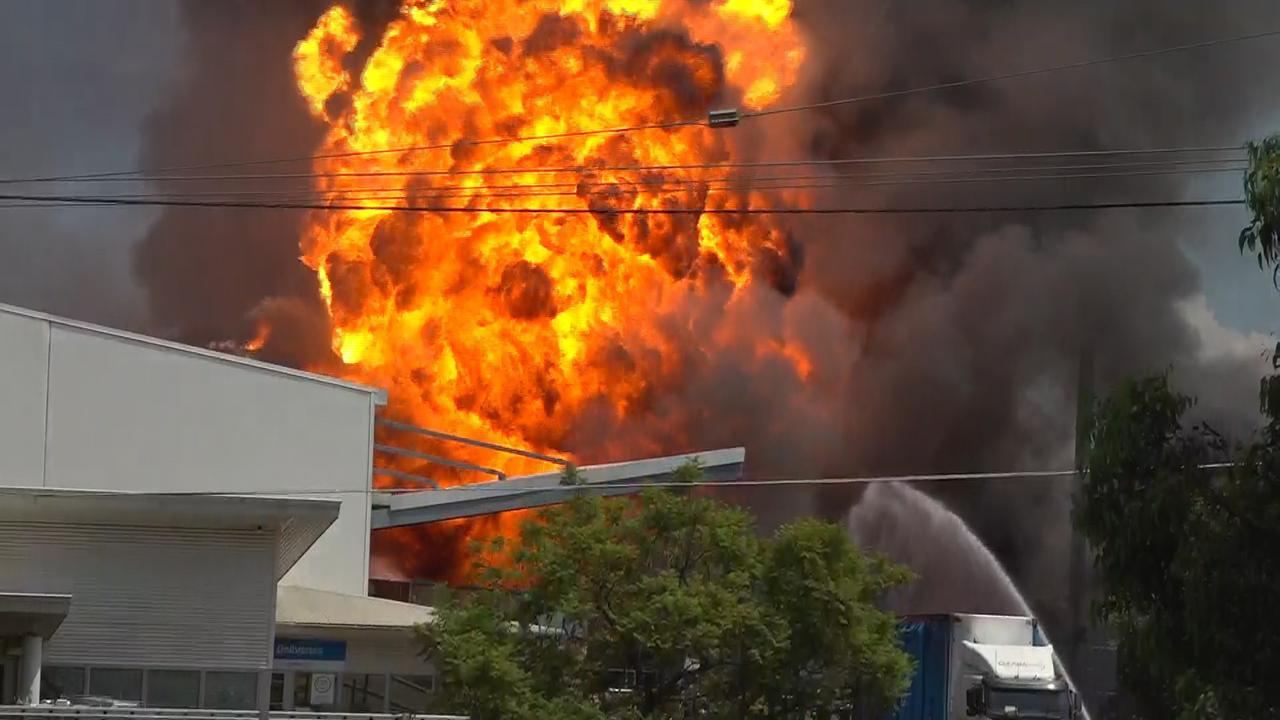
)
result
[(149, 597)]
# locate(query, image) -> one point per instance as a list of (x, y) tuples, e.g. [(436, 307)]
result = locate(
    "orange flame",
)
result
[(507, 326), (259, 338)]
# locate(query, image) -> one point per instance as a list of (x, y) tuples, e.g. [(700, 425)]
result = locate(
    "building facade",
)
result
[(167, 601), (161, 504), (86, 407)]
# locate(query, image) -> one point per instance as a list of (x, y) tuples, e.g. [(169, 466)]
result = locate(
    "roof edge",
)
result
[(379, 394), (200, 505)]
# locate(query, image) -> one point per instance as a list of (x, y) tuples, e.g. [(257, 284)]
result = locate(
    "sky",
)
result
[(78, 80)]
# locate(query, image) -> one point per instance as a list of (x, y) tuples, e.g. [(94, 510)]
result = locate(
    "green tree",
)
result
[(1186, 552), (1185, 527), (670, 605), (1262, 194)]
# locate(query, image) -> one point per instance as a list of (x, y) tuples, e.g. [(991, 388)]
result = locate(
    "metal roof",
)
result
[(395, 510), (380, 395)]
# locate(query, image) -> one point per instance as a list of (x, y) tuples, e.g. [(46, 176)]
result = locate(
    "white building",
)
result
[(110, 445), (85, 407), (169, 601), (184, 528)]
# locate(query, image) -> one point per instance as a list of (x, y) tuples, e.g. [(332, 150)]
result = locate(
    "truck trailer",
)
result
[(983, 666)]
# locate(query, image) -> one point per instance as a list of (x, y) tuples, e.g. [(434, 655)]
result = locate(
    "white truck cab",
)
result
[(983, 666)]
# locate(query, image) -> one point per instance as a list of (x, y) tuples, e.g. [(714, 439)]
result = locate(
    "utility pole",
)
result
[(1088, 657), (1078, 563)]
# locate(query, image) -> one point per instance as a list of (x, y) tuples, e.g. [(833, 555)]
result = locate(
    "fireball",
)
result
[(488, 310)]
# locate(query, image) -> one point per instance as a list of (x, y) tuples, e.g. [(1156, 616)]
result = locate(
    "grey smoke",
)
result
[(77, 79), (952, 344), (208, 272)]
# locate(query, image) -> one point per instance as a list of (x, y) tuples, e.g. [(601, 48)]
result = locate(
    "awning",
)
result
[(299, 521), (311, 608), (32, 613)]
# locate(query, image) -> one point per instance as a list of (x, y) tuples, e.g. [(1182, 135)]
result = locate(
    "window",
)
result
[(277, 691), (230, 690), (409, 693), (119, 684), (57, 683), (173, 688), (363, 693), (621, 680), (1028, 703)]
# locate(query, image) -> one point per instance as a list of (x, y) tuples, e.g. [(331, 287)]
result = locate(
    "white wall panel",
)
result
[(339, 560), (149, 597), (132, 416), (24, 364)]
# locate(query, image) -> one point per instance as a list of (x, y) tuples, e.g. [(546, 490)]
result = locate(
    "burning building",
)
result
[(191, 529)]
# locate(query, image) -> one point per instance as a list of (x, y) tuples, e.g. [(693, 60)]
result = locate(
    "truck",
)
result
[(983, 666)]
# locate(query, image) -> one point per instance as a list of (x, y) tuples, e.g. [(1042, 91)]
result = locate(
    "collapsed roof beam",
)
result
[(531, 491), (406, 427)]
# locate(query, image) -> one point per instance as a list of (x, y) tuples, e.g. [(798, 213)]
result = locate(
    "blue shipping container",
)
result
[(927, 639)]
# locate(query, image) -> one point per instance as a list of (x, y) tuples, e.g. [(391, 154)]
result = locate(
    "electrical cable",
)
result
[(767, 112), (364, 153), (73, 199), (580, 169), (724, 484), (396, 195), (1011, 76), (904, 176)]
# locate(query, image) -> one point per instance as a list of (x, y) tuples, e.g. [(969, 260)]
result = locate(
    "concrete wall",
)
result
[(82, 407)]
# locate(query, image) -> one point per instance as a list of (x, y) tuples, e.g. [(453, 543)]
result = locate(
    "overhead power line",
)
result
[(711, 187), (1012, 75), (1178, 165), (367, 153), (580, 169), (279, 205), (701, 121), (723, 484)]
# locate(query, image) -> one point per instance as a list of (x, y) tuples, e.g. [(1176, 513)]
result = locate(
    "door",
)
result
[(9, 679)]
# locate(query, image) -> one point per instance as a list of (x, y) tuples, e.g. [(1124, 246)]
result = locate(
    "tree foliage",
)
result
[(1186, 527), (670, 606), (1262, 194), (1188, 552)]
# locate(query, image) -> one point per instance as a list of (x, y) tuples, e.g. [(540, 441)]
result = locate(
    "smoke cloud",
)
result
[(953, 344)]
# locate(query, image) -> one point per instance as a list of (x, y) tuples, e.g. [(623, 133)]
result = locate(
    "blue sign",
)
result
[(311, 650)]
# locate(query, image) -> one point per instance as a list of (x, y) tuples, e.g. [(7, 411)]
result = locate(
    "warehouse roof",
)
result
[(212, 355)]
